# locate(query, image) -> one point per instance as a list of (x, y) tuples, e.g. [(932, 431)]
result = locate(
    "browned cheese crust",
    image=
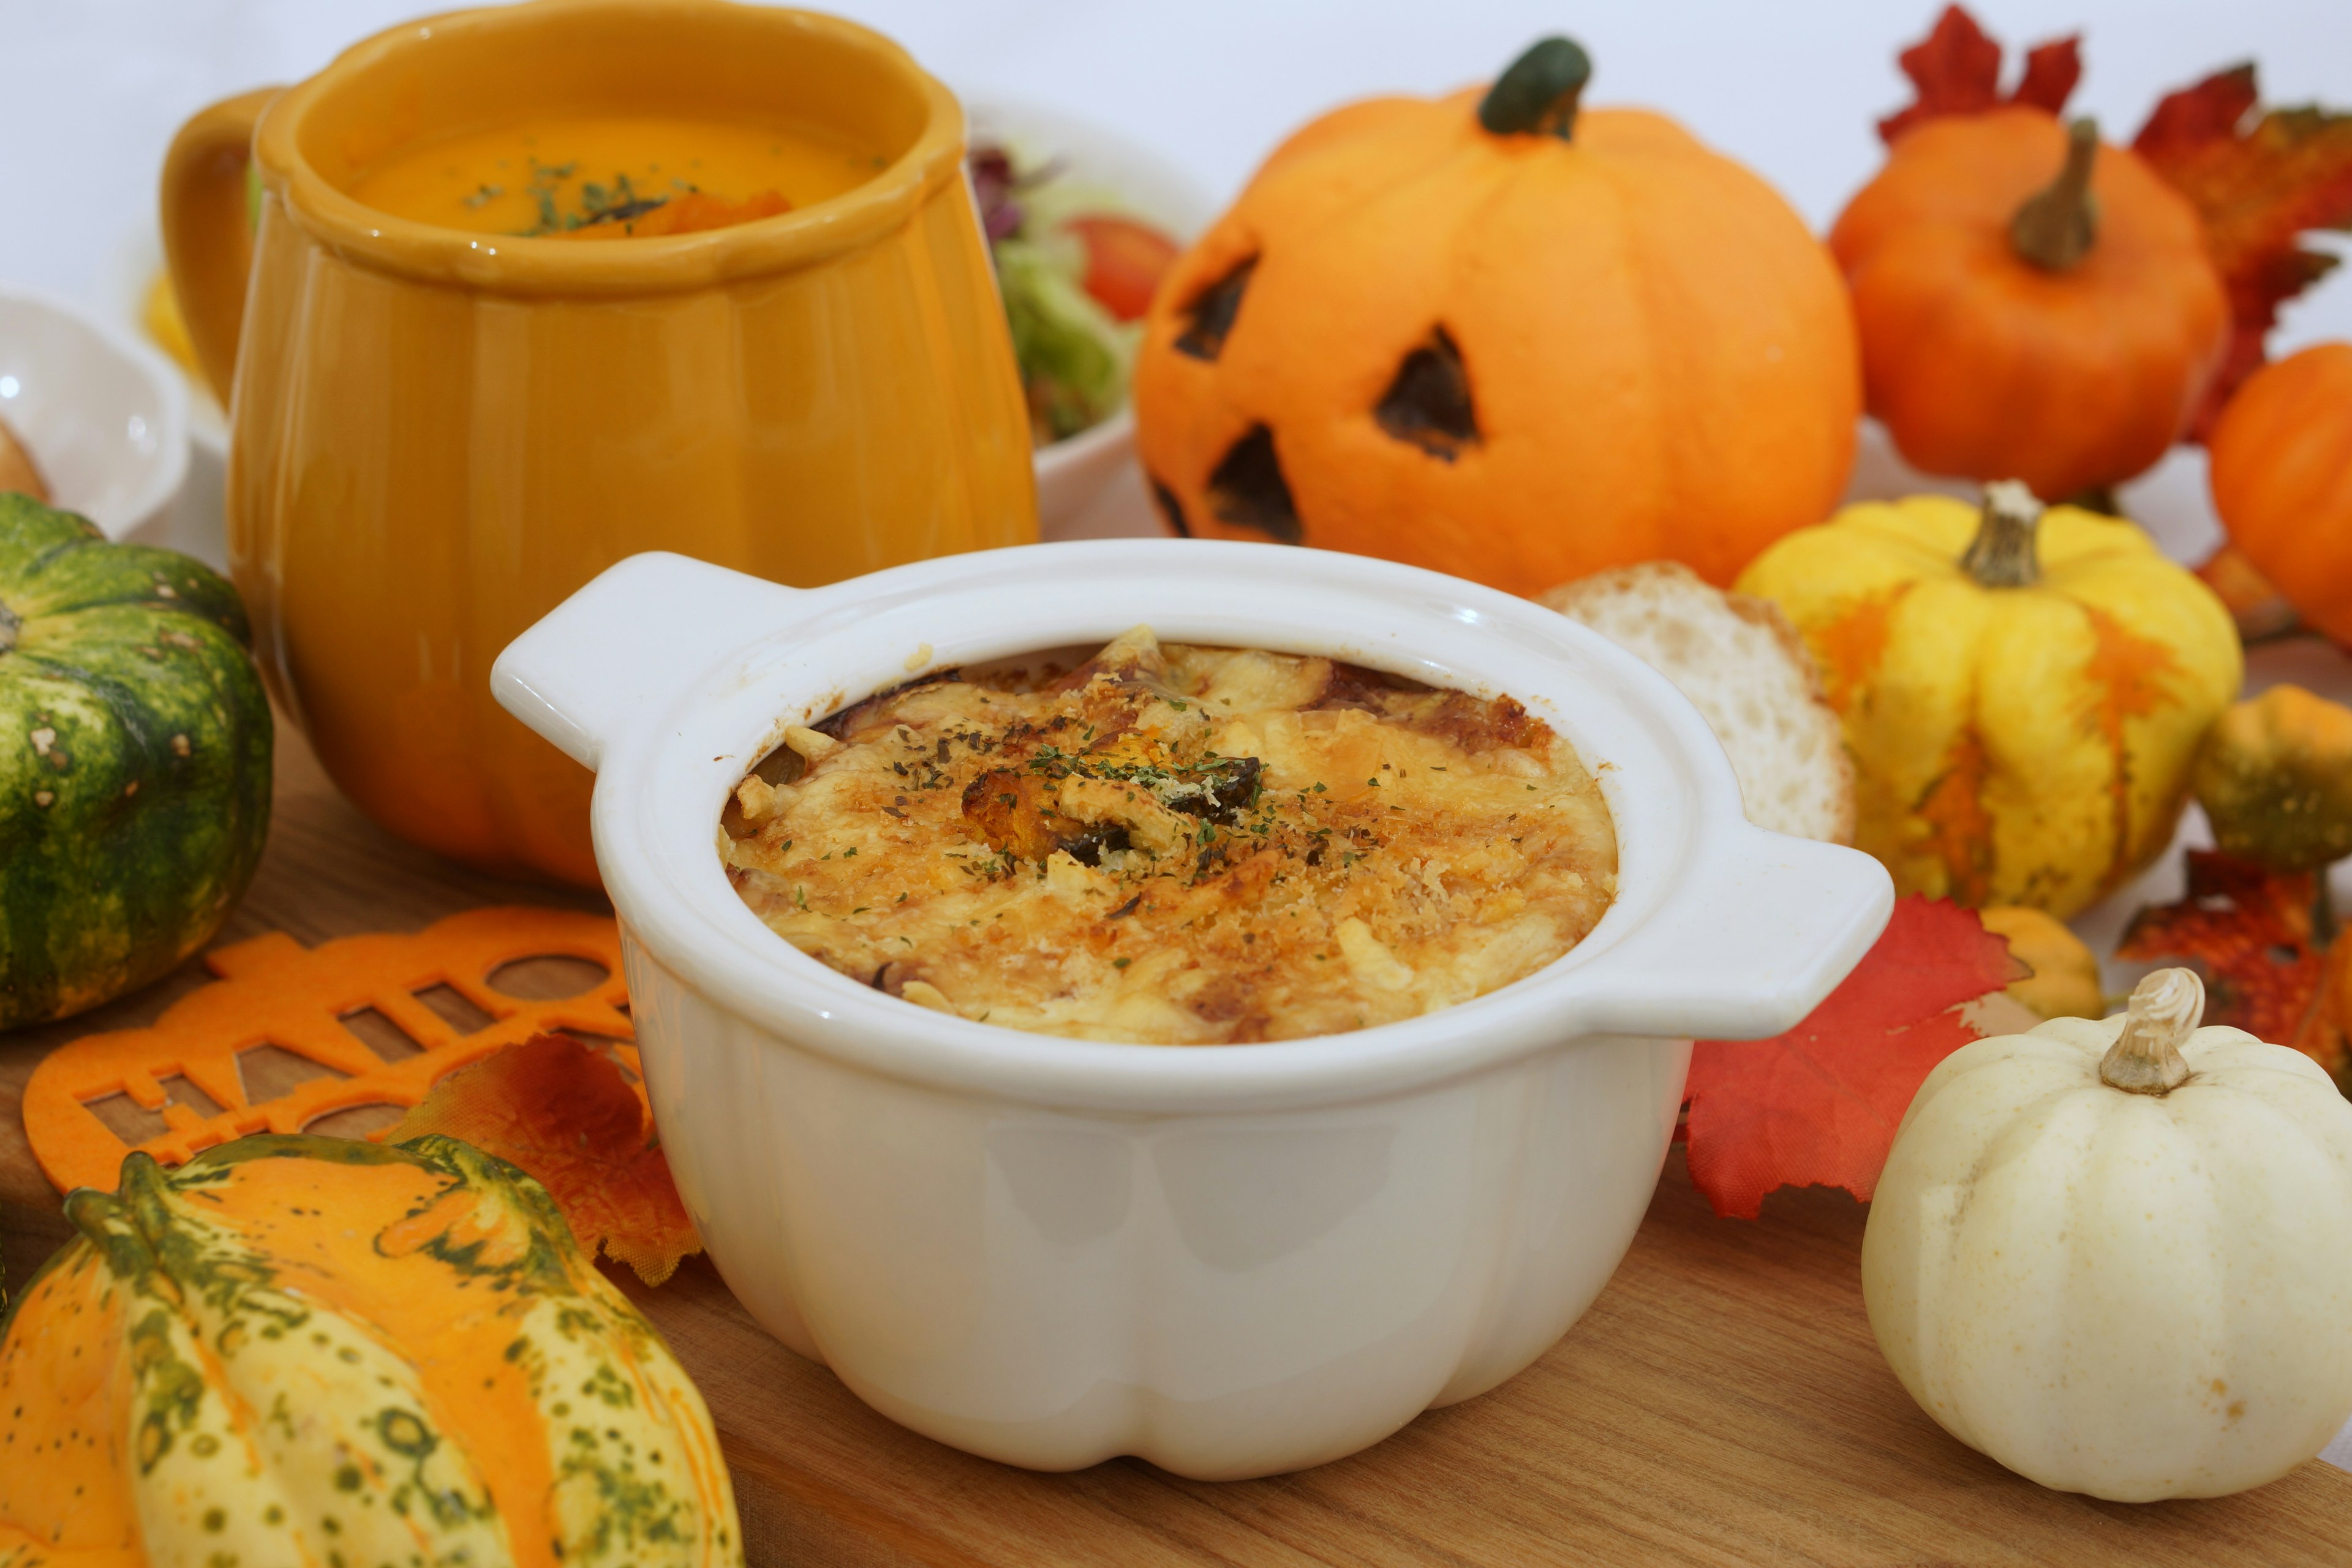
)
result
[(1177, 845)]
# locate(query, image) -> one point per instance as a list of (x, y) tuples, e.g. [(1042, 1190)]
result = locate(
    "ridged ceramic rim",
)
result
[(677, 747), (167, 473), (660, 263)]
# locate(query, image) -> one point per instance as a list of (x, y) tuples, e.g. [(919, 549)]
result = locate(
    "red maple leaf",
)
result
[(1821, 1103), (1956, 69), (2259, 188), (2247, 929), (562, 1113)]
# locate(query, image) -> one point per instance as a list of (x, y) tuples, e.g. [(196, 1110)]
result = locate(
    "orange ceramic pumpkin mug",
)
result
[(442, 422)]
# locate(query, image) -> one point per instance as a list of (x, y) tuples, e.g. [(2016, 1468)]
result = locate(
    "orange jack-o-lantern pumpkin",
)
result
[(1497, 336)]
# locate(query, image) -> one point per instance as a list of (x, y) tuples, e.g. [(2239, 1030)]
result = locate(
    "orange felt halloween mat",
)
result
[(289, 1035)]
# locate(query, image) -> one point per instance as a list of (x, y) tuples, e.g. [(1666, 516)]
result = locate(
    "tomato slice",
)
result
[(1125, 262)]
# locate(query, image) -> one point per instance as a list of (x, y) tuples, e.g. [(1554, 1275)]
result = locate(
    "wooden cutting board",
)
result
[(1721, 1404)]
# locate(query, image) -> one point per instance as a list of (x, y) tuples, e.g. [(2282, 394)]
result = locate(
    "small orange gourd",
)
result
[(1507, 338), (2033, 304), (296, 1349), (2281, 477)]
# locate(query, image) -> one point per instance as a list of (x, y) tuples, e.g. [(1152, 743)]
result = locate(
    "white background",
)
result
[(91, 90)]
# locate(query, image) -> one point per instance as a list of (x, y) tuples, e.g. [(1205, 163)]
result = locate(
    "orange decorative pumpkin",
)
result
[(1497, 336), (2281, 477), (2033, 304), (306, 1349)]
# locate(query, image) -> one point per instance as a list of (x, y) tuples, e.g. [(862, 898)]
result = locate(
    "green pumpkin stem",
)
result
[(2057, 225), (2164, 1011), (1538, 94), (2003, 552)]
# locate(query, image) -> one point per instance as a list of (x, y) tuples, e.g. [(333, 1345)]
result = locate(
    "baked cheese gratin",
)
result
[(1176, 845)]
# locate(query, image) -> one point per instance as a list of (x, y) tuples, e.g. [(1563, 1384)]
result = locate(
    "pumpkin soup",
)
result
[(597, 176), (1175, 845)]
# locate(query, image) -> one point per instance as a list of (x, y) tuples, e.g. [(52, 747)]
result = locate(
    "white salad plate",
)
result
[(104, 416), (1231, 1260), (1118, 176)]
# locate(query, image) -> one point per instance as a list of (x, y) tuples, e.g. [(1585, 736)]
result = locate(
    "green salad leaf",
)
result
[(1075, 359)]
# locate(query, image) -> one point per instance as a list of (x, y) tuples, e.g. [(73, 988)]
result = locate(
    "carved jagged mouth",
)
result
[(1249, 489)]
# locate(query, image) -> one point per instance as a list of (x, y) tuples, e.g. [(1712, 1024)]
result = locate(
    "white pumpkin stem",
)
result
[(2003, 553), (2146, 1059)]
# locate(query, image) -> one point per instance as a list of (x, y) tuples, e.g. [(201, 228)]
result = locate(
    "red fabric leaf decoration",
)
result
[(1956, 69), (2052, 70), (2247, 929), (562, 1113), (2258, 188), (1821, 1103)]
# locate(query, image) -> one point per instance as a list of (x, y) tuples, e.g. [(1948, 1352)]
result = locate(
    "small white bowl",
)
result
[(1072, 472), (104, 416), (1231, 1260)]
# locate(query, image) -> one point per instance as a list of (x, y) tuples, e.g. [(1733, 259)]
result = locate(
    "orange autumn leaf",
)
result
[(1956, 69), (563, 1114), (2259, 187), (2247, 929), (1821, 1103), (2255, 604)]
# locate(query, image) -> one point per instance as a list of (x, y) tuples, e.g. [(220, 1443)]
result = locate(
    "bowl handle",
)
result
[(637, 632), (1769, 926)]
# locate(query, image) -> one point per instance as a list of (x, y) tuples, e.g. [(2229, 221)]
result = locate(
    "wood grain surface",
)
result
[(1721, 1404)]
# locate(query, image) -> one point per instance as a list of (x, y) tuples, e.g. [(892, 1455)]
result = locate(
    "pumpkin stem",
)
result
[(2055, 227), (1539, 92), (9, 624), (2145, 1057), (2002, 554)]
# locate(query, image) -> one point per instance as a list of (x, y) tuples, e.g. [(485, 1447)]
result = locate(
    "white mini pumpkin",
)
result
[(2117, 1256)]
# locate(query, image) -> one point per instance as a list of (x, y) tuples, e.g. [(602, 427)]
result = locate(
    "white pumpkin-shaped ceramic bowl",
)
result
[(1233, 1260)]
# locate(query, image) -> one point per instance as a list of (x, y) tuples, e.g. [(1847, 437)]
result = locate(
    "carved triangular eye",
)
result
[(1210, 315), (1428, 403), (1248, 491)]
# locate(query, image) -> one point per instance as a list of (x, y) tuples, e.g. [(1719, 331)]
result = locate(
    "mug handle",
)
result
[(1767, 927), (207, 231), (639, 630)]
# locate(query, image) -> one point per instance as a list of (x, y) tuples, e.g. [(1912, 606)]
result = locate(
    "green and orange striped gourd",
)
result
[(306, 1350), (2024, 691)]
